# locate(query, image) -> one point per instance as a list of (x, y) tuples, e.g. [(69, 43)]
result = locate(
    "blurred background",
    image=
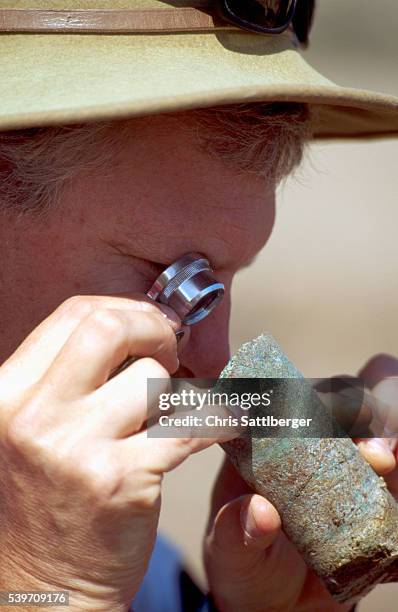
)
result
[(329, 273)]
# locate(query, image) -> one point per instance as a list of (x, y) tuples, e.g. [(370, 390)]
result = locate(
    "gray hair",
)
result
[(35, 164)]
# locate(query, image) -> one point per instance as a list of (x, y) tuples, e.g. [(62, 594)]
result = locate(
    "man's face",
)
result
[(115, 233)]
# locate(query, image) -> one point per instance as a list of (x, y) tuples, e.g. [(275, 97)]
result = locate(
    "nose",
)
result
[(207, 351)]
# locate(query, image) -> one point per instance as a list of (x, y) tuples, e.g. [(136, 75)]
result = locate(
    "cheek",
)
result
[(246, 231), (207, 351), (46, 267), (261, 223)]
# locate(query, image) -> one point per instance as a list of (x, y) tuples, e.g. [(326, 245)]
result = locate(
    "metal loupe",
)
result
[(189, 287)]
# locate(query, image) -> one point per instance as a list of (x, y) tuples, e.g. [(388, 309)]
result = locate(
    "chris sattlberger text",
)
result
[(191, 420)]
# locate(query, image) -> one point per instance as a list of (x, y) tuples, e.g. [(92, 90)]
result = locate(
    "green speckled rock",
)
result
[(333, 506)]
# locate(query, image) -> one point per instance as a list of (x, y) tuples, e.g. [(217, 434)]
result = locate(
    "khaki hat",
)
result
[(68, 61)]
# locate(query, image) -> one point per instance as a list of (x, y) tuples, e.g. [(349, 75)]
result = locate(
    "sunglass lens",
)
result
[(267, 14), (303, 18)]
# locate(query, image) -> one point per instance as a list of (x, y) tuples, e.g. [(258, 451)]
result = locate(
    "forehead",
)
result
[(166, 197)]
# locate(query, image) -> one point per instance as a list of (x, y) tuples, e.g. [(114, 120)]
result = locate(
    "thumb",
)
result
[(237, 550), (248, 524), (248, 558)]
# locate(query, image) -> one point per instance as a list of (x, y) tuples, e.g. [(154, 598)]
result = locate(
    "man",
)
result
[(130, 173)]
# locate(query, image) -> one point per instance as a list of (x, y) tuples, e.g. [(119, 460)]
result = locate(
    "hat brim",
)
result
[(52, 79)]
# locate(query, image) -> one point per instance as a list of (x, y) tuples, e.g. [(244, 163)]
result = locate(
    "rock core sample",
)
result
[(333, 506)]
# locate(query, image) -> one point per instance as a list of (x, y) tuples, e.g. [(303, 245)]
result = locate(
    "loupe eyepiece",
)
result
[(189, 287)]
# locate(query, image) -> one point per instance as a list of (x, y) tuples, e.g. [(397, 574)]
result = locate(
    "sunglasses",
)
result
[(270, 16)]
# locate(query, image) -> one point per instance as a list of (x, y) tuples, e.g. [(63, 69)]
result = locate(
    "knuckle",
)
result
[(27, 429), (16, 434), (8, 395), (99, 485), (153, 369), (77, 307), (95, 470), (185, 443), (21, 429), (12, 435), (143, 488), (105, 322), (148, 498), (163, 331), (155, 323)]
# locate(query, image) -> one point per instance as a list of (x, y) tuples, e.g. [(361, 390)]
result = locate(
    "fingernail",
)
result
[(179, 335), (379, 454), (378, 444), (249, 524)]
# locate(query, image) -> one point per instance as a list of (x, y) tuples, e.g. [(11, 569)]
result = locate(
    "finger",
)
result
[(248, 557), (249, 522), (36, 353), (182, 334), (344, 399), (385, 395), (163, 454), (121, 406), (380, 375), (377, 368), (378, 453), (102, 341)]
